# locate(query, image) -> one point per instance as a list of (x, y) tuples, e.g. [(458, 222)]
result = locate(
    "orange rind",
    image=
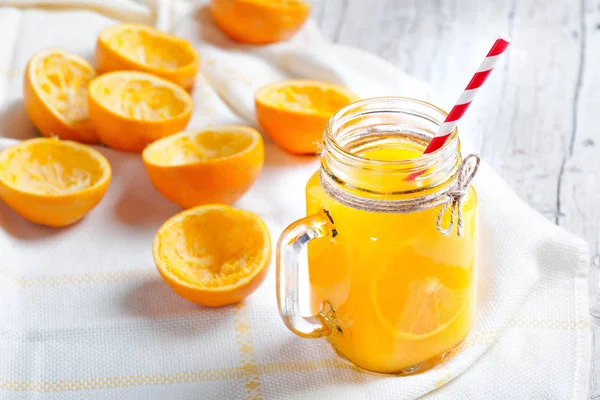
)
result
[(294, 113), (133, 109), (138, 47), (53, 182), (213, 255), (214, 165)]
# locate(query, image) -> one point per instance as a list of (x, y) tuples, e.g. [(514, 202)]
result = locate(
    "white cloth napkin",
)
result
[(84, 314)]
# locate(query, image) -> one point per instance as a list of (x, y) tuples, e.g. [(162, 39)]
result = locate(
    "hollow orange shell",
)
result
[(55, 94), (259, 21), (138, 47), (294, 113), (52, 182), (214, 165), (132, 109), (213, 255)]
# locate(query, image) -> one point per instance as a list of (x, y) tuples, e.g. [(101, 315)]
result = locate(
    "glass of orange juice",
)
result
[(389, 289)]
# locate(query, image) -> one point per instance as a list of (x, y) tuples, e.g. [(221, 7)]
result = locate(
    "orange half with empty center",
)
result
[(132, 109), (259, 21), (213, 255), (143, 48), (214, 165), (55, 90), (294, 113), (53, 182)]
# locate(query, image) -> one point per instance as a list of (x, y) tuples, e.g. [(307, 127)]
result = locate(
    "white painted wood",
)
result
[(579, 184), (536, 119)]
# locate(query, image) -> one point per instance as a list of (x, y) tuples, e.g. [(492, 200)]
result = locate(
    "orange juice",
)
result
[(391, 235), (399, 293)]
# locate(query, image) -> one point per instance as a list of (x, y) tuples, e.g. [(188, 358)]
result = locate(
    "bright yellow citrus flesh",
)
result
[(213, 255), (132, 109), (52, 182), (294, 113), (215, 165), (142, 48), (55, 92), (140, 99), (428, 308)]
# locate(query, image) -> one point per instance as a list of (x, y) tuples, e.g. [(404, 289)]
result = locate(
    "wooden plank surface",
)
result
[(536, 121)]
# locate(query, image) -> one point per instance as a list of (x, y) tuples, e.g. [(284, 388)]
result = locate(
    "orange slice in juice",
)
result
[(214, 165), (132, 109), (53, 182), (294, 113), (213, 255), (259, 21), (427, 307), (138, 47), (55, 90)]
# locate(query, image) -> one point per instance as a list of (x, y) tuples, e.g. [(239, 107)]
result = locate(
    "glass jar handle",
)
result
[(291, 242)]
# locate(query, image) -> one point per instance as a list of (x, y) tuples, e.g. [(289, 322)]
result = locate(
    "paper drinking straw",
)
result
[(468, 95)]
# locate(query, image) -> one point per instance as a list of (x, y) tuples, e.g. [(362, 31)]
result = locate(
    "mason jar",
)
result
[(391, 237)]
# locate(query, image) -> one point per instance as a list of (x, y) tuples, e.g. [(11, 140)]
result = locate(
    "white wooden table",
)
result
[(536, 120)]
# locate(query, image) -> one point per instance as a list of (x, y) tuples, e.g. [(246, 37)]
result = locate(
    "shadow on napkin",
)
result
[(15, 123), (138, 205), (21, 229), (155, 300)]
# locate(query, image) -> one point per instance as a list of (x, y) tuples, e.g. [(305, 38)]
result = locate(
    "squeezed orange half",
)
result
[(132, 109), (213, 255), (53, 182), (294, 112), (55, 90), (259, 21), (213, 165), (138, 47)]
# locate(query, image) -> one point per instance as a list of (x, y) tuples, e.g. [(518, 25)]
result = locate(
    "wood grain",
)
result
[(536, 118)]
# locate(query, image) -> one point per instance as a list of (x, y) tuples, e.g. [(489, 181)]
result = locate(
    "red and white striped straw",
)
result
[(468, 95)]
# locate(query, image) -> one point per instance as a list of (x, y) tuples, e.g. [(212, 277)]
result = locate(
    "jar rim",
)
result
[(329, 140), (368, 121)]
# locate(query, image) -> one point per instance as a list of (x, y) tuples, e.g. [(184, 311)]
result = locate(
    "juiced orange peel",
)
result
[(53, 182), (132, 109), (213, 255), (259, 21), (294, 113), (139, 47), (214, 165), (55, 89)]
